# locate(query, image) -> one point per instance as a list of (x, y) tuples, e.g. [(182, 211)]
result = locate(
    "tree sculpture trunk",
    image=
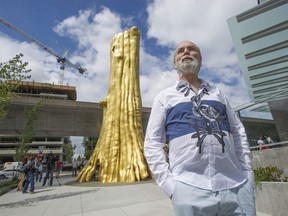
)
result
[(119, 150)]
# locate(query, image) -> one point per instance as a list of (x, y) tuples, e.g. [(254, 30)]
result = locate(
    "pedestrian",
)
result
[(22, 175), (59, 165), (74, 167), (209, 171), (269, 140), (50, 166), (39, 170), (261, 142), (83, 162), (30, 175)]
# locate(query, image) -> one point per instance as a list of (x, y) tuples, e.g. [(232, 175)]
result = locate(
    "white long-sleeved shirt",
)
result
[(208, 146)]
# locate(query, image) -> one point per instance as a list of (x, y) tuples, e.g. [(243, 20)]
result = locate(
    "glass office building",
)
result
[(260, 37)]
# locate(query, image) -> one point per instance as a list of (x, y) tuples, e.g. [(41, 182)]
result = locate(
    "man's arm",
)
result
[(153, 148), (241, 144)]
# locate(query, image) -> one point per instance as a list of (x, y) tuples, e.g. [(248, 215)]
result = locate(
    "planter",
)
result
[(272, 198)]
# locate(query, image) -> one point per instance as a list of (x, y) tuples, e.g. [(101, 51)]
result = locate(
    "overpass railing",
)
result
[(270, 145)]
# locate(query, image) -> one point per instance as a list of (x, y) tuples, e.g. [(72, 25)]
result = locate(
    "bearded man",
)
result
[(209, 171)]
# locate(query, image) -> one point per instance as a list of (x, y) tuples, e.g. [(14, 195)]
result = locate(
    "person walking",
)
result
[(209, 171), (30, 175)]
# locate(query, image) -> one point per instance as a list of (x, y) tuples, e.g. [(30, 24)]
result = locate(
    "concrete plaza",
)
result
[(91, 198), (143, 198)]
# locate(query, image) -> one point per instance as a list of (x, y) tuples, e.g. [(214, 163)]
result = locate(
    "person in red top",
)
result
[(59, 165)]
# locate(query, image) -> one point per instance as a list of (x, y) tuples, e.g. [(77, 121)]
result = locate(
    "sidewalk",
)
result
[(143, 198), (87, 199)]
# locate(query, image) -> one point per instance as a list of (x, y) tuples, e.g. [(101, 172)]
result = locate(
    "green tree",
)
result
[(79, 158), (28, 133), (11, 73), (68, 149)]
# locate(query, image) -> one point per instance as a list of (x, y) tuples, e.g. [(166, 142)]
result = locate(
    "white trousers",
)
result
[(192, 201)]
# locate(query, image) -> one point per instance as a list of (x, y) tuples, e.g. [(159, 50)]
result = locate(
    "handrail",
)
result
[(274, 145)]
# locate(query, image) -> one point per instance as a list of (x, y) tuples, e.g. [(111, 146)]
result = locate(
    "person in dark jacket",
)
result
[(50, 165), (30, 175)]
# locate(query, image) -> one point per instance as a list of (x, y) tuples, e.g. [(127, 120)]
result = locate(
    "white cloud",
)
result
[(153, 84), (93, 39), (44, 67)]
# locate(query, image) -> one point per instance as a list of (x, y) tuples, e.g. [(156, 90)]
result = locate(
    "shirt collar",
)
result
[(181, 83)]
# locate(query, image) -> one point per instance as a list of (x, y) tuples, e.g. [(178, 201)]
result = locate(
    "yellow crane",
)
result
[(62, 60)]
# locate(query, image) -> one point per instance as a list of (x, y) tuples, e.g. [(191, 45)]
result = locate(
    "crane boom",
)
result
[(60, 59)]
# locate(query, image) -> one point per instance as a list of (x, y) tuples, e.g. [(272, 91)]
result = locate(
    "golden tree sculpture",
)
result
[(118, 153)]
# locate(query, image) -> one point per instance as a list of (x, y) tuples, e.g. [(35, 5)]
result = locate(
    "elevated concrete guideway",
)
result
[(58, 117)]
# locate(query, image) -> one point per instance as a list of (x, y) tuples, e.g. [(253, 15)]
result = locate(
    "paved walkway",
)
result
[(143, 198), (87, 199)]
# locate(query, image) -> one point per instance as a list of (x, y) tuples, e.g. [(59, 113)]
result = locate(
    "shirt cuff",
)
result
[(169, 186)]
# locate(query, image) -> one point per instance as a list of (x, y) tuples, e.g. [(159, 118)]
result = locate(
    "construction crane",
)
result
[(62, 60)]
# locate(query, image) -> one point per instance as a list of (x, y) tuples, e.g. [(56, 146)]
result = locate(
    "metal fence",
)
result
[(254, 145)]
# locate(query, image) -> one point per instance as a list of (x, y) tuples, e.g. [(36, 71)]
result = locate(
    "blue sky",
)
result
[(86, 28)]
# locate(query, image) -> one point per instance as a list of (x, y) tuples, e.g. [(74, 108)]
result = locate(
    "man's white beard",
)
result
[(190, 67)]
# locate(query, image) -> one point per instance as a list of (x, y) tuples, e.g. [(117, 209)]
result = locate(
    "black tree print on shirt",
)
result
[(207, 121)]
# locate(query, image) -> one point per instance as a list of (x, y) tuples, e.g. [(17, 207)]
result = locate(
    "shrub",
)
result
[(270, 173), (8, 185)]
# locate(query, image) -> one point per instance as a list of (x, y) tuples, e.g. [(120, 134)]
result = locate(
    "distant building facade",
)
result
[(61, 116), (40, 144), (260, 37)]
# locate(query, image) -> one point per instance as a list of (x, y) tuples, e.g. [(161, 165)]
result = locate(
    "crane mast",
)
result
[(62, 60)]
